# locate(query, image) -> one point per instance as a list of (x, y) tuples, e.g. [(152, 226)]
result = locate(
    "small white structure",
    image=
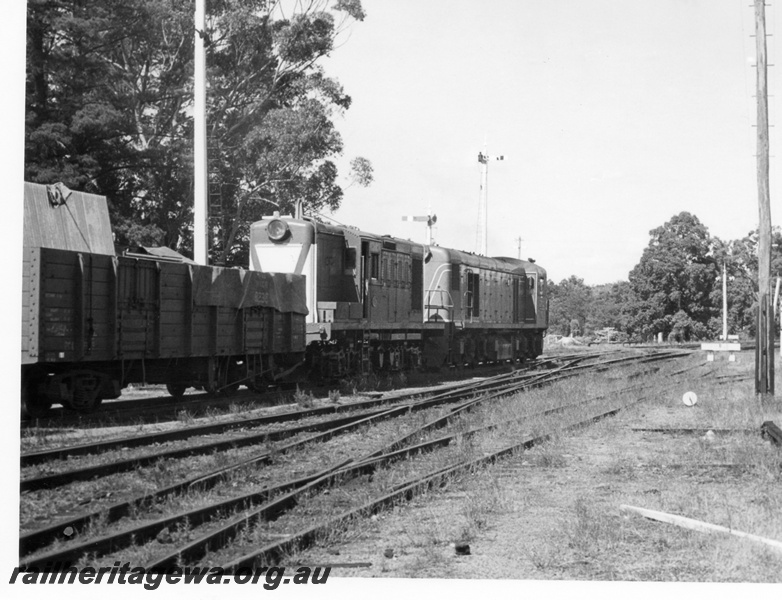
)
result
[(727, 346), (729, 343)]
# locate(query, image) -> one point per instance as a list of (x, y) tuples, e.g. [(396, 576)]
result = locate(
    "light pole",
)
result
[(200, 174), (483, 211)]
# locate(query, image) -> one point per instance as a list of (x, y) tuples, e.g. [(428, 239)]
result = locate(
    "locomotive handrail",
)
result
[(433, 309)]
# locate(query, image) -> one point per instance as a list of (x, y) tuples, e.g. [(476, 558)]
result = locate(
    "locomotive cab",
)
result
[(329, 257)]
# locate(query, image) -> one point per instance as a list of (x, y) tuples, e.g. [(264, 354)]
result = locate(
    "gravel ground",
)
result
[(553, 513)]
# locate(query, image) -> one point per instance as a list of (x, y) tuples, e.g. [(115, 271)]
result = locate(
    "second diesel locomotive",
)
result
[(383, 303)]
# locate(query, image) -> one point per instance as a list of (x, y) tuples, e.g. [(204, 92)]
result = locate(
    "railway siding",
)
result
[(37, 540)]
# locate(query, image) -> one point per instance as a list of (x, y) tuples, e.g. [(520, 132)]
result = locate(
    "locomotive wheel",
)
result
[(176, 390)]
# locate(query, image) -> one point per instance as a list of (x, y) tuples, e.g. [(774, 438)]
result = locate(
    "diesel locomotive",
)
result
[(383, 303)]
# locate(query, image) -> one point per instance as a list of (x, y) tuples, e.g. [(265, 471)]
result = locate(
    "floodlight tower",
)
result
[(481, 241)]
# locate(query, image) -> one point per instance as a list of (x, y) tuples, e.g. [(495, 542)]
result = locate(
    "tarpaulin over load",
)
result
[(237, 288), (63, 219)]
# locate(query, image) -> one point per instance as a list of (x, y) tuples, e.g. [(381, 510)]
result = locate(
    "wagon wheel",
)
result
[(257, 386), (34, 404), (85, 396), (231, 388), (176, 390)]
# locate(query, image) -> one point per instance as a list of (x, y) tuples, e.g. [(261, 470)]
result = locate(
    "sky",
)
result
[(612, 117)]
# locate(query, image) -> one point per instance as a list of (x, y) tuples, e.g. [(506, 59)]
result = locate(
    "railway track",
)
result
[(325, 430), (279, 497), (154, 409), (361, 411), (164, 407), (182, 431)]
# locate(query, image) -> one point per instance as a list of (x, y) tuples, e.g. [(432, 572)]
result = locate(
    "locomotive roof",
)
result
[(364, 235), (503, 263), (462, 257), (341, 229)]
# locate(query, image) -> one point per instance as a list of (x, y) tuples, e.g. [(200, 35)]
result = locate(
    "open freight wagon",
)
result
[(94, 322)]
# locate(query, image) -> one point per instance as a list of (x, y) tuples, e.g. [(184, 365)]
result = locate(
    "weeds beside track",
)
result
[(39, 539)]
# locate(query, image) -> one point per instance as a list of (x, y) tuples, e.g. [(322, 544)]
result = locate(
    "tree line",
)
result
[(674, 290), (109, 103)]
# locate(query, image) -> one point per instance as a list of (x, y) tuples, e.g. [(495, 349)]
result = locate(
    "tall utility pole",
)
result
[(200, 174), (518, 242), (764, 348), (724, 302), (481, 242)]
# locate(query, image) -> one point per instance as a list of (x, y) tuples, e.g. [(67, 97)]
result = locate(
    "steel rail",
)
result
[(165, 404), (395, 450), (375, 459), (41, 456), (38, 457), (151, 406), (359, 466), (271, 553), (39, 538), (35, 540), (139, 534), (53, 480)]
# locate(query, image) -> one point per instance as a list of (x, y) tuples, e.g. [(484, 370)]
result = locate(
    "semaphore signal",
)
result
[(429, 219)]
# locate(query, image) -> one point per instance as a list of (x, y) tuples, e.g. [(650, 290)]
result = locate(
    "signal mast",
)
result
[(429, 219)]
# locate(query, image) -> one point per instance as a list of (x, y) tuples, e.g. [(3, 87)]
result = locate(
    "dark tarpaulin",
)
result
[(237, 288)]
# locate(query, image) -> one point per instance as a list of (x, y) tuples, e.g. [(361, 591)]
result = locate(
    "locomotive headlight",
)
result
[(277, 230)]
